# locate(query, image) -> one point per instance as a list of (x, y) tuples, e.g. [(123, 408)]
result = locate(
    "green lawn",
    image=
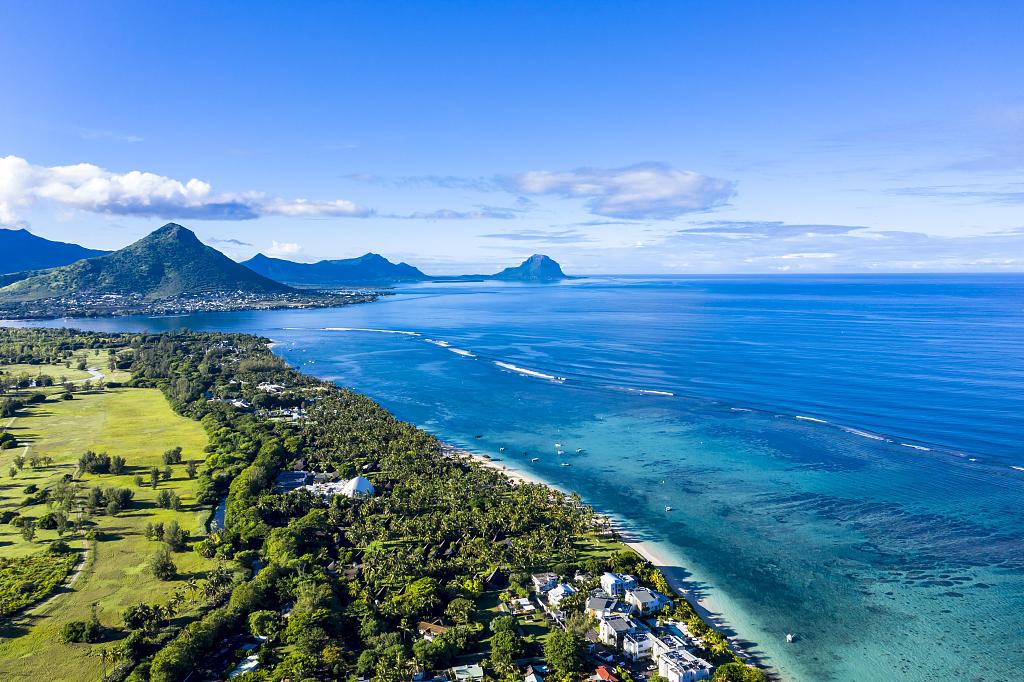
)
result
[(139, 425)]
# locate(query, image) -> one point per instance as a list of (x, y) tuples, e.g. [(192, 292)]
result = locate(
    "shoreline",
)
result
[(675, 575)]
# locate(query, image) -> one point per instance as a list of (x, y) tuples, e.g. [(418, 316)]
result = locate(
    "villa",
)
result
[(599, 605), (613, 628), (544, 582), (430, 631), (560, 592), (468, 673), (679, 665), (616, 584), (644, 600)]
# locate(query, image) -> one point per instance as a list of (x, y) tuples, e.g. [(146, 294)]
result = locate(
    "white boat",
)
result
[(501, 449), (668, 509), (535, 459), (789, 638), (560, 452), (579, 450), (558, 445), (566, 464)]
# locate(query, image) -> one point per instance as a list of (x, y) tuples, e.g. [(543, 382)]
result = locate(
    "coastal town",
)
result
[(105, 304)]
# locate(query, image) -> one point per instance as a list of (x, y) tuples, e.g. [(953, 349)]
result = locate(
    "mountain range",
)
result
[(171, 261), (371, 268), (25, 251), (168, 262)]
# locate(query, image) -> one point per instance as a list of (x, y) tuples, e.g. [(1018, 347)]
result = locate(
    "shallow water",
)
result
[(838, 452)]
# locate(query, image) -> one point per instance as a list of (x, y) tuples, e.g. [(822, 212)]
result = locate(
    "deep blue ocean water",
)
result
[(839, 452)]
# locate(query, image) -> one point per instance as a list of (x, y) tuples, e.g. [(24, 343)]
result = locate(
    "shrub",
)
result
[(162, 566)]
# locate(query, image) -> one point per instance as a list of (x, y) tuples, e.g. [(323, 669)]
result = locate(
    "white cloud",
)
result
[(280, 249), (648, 190), (814, 255), (87, 187)]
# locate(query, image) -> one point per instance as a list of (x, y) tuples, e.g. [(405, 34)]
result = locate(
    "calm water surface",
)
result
[(839, 452)]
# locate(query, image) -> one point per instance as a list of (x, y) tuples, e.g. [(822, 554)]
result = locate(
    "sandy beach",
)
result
[(677, 576)]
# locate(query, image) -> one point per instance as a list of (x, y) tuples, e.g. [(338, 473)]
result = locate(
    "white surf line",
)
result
[(1012, 466), (528, 372), (375, 331), (916, 447), (810, 419), (864, 434)]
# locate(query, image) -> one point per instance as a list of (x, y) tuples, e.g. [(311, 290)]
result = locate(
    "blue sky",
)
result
[(615, 137)]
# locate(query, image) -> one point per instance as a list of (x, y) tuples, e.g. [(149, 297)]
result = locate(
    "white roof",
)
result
[(358, 486)]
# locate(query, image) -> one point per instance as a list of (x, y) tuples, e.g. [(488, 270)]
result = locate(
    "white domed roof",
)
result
[(358, 486)]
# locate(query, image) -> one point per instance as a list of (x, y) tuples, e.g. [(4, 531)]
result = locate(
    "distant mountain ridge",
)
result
[(25, 251), (374, 269), (370, 268), (168, 262)]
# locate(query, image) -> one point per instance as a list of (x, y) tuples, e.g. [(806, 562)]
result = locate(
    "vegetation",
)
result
[(356, 575), (165, 263), (25, 580)]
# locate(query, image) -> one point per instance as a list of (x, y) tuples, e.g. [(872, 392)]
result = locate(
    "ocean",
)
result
[(842, 454)]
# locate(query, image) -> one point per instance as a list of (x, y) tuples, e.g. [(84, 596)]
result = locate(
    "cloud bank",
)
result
[(87, 187), (644, 191)]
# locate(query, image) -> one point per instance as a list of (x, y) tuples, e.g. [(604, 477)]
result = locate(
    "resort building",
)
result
[(560, 592), (616, 584), (468, 673), (600, 605), (358, 487), (638, 644), (613, 628), (544, 582), (679, 665), (430, 631), (644, 600)]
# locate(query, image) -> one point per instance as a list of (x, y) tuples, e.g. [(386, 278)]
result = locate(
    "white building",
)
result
[(644, 600), (638, 644), (613, 628), (616, 584), (679, 665), (358, 487), (544, 582), (599, 605), (559, 592)]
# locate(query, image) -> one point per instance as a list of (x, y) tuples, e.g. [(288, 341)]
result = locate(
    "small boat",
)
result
[(560, 452), (558, 445), (501, 449), (566, 464), (789, 638), (668, 509), (535, 459), (579, 450)]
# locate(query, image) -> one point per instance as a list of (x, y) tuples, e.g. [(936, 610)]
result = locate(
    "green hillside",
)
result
[(166, 263)]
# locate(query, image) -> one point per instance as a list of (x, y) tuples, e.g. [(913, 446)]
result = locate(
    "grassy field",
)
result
[(97, 359), (139, 425)]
